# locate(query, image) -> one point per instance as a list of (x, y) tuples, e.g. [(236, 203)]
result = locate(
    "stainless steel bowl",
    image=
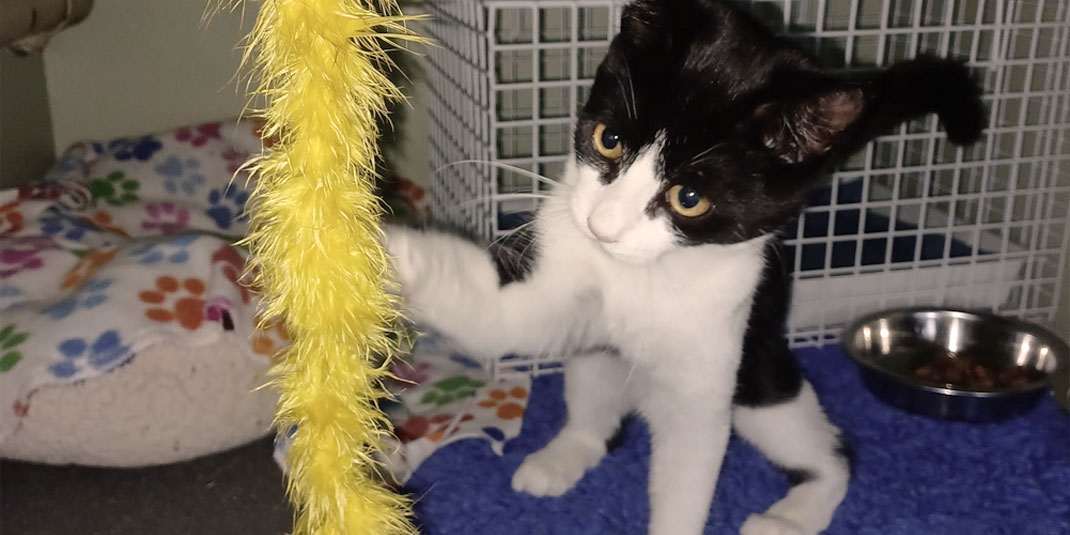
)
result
[(890, 346)]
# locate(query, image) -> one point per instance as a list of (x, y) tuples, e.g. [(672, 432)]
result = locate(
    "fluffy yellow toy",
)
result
[(316, 250)]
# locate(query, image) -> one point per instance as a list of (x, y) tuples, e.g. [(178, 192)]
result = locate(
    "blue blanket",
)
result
[(913, 476)]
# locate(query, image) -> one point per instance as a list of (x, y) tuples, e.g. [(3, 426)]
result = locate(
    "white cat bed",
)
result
[(168, 404)]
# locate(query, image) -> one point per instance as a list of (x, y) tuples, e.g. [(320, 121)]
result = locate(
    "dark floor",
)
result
[(239, 491)]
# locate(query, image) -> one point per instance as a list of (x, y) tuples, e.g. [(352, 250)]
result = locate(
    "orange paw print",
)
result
[(89, 264), (103, 220), (187, 310), (507, 409), (269, 338), (10, 219)]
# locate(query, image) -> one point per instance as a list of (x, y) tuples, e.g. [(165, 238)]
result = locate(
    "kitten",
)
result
[(655, 265)]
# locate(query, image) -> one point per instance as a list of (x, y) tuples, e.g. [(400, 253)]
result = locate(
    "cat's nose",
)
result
[(600, 235)]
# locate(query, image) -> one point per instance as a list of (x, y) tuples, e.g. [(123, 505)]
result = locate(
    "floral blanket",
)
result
[(127, 244)]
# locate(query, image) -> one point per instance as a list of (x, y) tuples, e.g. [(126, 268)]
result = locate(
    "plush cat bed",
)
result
[(126, 335)]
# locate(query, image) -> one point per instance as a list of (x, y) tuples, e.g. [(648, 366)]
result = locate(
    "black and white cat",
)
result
[(655, 264)]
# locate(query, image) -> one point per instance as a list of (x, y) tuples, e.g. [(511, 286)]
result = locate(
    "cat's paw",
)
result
[(555, 469), (404, 254), (766, 524)]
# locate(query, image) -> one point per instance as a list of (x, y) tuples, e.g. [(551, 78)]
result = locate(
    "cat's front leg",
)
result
[(689, 430), (452, 285)]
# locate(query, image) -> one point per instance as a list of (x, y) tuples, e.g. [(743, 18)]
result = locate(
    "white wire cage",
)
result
[(909, 220)]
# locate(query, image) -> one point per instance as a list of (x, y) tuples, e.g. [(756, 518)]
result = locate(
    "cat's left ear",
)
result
[(802, 129)]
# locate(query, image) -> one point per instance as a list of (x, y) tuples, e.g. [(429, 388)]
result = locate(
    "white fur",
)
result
[(676, 314), (789, 434)]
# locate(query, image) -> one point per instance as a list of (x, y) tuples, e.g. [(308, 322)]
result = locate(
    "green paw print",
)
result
[(115, 189), (9, 342), (451, 389)]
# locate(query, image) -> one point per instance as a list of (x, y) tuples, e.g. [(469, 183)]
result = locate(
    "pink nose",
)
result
[(602, 237)]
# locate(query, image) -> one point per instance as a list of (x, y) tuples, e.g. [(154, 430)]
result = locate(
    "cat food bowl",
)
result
[(955, 364)]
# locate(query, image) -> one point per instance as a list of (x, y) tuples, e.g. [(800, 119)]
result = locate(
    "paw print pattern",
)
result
[(507, 405), (103, 220), (235, 160), (165, 217), (55, 225), (182, 302), (451, 389), (233, 268), (91, 295), (86, 267), (68, 193), (269, 337), (10, 339), (173, 251), (10, 219), (114, 189), (140, 149), (228, 206), (105, 352), (198, 135), (182, 175), (20, 255), (407, 375), (434, 428)]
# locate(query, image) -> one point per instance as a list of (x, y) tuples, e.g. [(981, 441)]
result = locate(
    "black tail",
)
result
[(924, 85)]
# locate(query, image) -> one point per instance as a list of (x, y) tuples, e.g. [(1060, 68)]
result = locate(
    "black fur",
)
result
[(514, 254), (748, 119), (798, 476), (768, 373)]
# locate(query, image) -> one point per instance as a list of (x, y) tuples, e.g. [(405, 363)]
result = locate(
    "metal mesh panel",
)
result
[(909, 220)]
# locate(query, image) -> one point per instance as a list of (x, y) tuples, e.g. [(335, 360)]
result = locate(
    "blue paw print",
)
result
[(466, 361), (173, 251), (92, 294), (134, 148), (55, 225), (104, 352), (228, 206), (178, 174)]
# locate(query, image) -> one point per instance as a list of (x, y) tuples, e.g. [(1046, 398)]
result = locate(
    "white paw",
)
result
[(555, 469), (766, 524), (404, 254)]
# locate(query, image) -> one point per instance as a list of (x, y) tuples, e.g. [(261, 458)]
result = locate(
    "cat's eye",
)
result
[(607, 142), (687, 202)]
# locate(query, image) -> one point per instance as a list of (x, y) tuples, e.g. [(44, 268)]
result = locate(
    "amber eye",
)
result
[(687, 202), (607, 142)]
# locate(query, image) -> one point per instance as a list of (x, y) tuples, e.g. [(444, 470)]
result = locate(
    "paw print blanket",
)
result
[(127, 244)]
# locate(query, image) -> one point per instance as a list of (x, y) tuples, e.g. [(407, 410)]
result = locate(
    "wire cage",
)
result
[(909, 220)]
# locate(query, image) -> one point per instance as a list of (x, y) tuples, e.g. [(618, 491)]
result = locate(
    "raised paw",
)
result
[(555, 469), (766, 524), (404, 254)]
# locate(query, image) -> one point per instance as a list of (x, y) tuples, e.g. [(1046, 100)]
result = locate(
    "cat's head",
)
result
[(704, 128)]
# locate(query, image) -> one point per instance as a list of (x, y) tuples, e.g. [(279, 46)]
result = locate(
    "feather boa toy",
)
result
[(317, 254)]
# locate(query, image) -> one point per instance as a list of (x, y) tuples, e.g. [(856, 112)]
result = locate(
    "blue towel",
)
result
[(913, 476)]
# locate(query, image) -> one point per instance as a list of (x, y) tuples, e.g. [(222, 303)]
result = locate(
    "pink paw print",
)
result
[(198, 135), (407, 375), (236, 159), (165, 217), (19, 255)]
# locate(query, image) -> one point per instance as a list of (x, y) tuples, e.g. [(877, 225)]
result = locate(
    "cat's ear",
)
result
[(644, 23), (802, 129)]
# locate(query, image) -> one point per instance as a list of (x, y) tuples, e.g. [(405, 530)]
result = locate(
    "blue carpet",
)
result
[(913, 476)]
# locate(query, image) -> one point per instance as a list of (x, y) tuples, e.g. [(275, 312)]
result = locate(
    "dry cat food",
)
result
[(961, 370)]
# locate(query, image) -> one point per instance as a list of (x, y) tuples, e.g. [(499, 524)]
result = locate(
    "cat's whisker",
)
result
[(507, 167), (631, 91)]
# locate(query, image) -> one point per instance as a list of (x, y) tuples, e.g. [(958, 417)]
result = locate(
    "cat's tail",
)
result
[(924, 85)]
